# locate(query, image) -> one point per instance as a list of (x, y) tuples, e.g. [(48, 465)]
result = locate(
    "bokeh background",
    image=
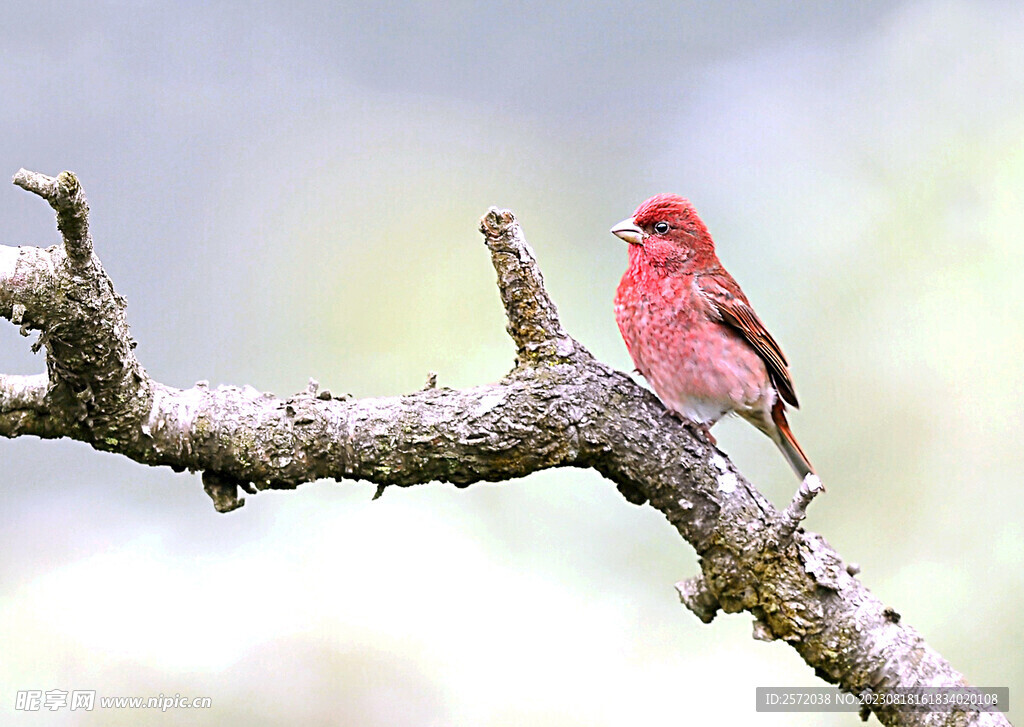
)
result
[(286, 191)]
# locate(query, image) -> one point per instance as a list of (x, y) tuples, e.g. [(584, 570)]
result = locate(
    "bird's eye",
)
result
[(661, 227)]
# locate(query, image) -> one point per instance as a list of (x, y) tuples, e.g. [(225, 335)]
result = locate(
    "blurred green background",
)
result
[(285, 192)]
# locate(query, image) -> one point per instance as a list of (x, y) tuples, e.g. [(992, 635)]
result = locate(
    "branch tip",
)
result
[(761, 632), (36, 183), (533, 321), (23, 392), (223, 491), (791, 517), (65, 195), (496, 222), (696, 596)]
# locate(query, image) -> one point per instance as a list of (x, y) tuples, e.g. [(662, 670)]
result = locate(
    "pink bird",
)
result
[(693, 334)]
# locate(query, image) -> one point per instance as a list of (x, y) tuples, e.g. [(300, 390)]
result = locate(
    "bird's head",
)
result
[(668, 231)]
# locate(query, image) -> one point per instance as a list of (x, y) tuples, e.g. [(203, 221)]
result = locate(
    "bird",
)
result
[(692, 333)]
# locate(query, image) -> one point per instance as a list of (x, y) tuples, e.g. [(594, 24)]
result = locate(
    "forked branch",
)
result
[(557, 407)]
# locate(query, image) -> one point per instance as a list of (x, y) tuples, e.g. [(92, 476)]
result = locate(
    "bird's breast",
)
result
[(698, 366)]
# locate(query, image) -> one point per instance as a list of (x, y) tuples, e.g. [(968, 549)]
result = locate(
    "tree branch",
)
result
[(532, 318), (557, 407)]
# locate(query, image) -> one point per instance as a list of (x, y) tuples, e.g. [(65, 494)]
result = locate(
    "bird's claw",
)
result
[(705, 429)]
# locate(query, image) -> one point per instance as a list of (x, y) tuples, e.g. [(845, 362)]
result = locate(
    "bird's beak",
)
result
[(628, 231)]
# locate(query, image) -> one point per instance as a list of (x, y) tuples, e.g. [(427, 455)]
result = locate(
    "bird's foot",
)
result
[(701, 429)]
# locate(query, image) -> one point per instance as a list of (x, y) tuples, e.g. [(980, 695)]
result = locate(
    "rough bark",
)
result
[(557, 407)]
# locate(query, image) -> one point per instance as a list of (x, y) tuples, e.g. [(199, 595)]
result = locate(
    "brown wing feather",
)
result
[(726, 296)]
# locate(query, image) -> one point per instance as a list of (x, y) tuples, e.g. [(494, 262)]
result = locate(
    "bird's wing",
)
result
[(728, 300)]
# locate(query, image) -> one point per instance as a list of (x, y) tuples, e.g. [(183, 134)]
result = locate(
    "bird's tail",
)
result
[(788, 444)]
